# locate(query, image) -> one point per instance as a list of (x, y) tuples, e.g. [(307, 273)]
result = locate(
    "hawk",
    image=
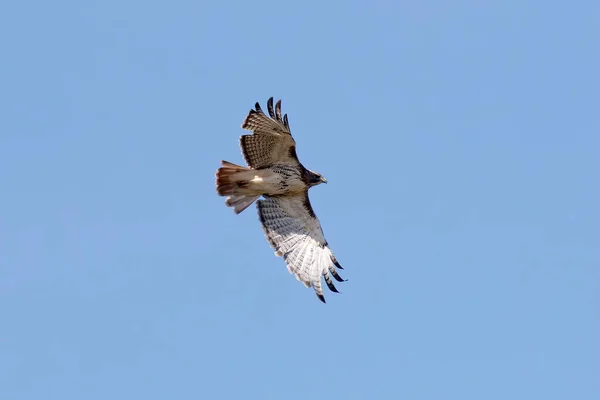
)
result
[(275, 173)]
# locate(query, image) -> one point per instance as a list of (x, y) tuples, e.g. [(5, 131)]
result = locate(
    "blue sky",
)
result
[(460, 141)]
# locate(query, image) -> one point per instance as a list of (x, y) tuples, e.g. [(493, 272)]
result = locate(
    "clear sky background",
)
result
[(461, 143)]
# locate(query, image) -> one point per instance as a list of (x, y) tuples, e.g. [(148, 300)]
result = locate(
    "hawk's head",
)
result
[(313, 178)]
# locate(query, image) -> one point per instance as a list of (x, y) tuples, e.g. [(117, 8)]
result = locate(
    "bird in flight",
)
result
[(275, 173)]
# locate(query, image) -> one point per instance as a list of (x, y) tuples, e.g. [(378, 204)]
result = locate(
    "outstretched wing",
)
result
[(295, 233), (272, 141)]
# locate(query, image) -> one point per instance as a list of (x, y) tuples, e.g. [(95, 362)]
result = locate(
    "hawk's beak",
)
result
[(323, 180)]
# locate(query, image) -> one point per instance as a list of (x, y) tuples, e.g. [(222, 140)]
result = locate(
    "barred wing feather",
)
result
[(295, 233), (272, 140)]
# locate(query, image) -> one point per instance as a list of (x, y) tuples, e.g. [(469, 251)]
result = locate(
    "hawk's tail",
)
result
[(231, 179)]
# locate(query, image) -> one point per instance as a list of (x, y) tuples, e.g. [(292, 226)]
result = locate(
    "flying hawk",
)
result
[(275, 173)]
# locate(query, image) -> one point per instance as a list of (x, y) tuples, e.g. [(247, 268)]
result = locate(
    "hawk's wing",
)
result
[(295, 233), (272, 141)]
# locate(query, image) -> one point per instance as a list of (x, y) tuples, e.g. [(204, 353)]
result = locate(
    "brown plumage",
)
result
[(286, 214)]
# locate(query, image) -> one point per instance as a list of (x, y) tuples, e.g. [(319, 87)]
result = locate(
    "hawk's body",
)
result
[(275, 173)]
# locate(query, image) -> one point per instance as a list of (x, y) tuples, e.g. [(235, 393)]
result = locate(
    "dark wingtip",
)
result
[(336, 263), (337, 276), (331, 286), (270, 107), (278, 110), (285, 122)]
